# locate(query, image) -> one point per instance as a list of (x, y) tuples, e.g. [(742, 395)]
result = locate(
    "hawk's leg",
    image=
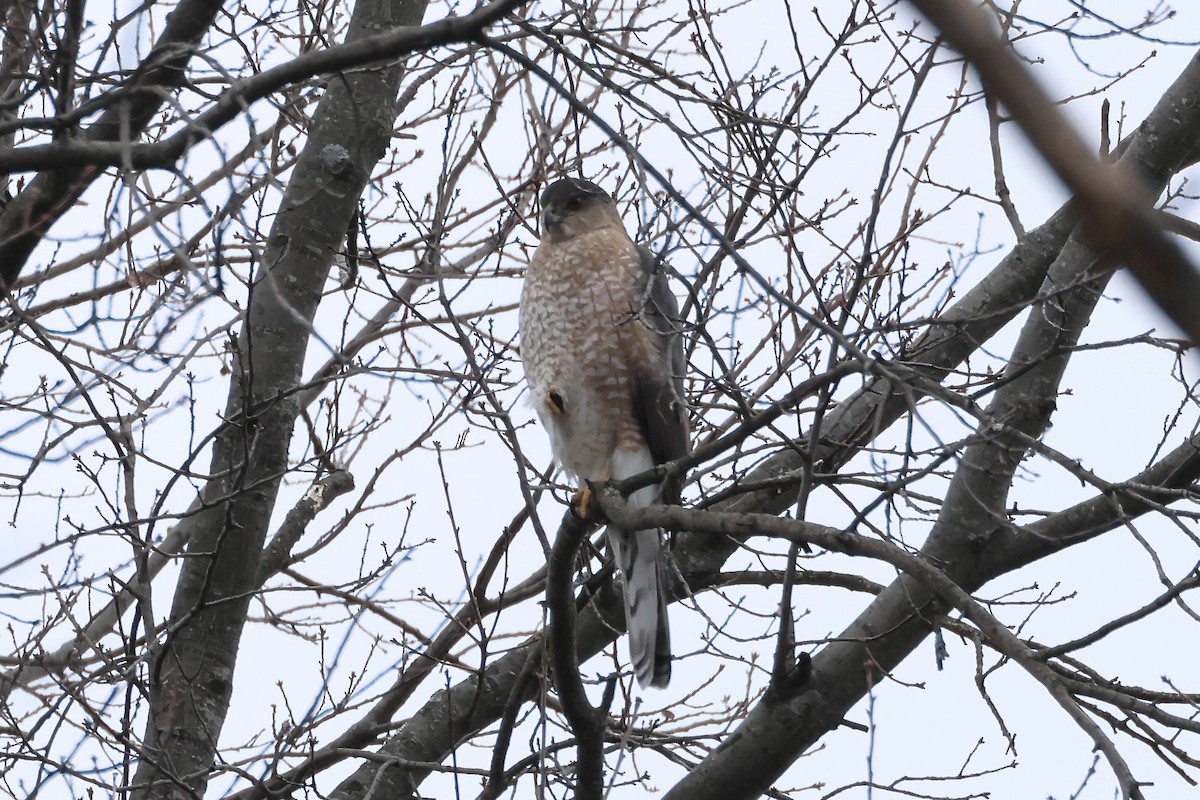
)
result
[(581, 503)]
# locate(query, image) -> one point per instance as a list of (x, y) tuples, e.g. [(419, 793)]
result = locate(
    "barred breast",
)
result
[(580, 341)]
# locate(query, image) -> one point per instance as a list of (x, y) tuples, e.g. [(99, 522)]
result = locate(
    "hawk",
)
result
[(603, 356)]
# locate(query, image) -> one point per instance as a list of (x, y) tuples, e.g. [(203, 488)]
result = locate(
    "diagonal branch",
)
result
[(49, 195), (1114, 201), (917, 566), (773, 737), (970, 538), (192, 674)]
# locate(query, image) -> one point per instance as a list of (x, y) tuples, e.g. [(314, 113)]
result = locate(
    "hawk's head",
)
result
[(572, 206)]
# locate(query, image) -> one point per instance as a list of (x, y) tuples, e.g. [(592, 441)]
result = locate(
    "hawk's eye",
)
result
[(575, 203)]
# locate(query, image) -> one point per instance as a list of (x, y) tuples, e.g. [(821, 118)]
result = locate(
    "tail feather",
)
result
[(662, 635), (637, 556)]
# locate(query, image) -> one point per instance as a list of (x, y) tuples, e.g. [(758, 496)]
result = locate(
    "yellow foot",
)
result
[(581, 503)]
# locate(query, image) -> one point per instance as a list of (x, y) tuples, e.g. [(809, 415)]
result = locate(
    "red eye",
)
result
[(575, 203)]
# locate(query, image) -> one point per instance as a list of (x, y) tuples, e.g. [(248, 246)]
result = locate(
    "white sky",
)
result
[(1111, 422)]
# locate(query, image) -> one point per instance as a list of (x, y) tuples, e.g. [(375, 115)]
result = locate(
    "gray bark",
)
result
[(131, 107), (192, 676), (779, 729), (972, 536)]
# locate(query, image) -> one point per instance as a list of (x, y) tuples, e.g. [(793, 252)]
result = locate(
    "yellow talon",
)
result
[(581, 502)]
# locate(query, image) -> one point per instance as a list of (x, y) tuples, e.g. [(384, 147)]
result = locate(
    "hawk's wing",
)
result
[(658, 396)]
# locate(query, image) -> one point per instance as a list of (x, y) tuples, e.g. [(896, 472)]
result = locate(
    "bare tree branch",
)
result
[(193, 672), (1112, 198)]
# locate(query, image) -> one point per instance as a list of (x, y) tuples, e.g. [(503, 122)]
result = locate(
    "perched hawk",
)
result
[(604, 359)]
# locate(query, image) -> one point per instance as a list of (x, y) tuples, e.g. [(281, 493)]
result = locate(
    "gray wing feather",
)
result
[(658, 398), (662, 416)]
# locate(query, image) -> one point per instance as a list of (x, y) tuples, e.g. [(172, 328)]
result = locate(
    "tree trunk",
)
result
[(192, 676)]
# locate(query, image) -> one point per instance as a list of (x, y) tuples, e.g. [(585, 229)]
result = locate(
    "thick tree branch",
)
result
[(192, 677), (19, 234), (1114, 200), (587, 721), (27, 217), (915, 565), (964, 540), (315, 500), (1161, 146), (771, 738)]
